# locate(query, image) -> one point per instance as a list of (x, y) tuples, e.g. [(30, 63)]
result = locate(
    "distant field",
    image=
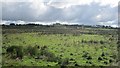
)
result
[(75, 48)]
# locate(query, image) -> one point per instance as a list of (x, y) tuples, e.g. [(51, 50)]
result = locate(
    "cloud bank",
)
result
[(91, 12)]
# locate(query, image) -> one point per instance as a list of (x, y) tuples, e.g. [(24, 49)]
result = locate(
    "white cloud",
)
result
[(73, 2), (112, 3)]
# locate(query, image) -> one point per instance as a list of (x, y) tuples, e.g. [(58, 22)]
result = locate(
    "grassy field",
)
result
[(38, 49)]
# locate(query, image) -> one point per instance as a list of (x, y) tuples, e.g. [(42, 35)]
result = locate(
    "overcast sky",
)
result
[(91, 12)]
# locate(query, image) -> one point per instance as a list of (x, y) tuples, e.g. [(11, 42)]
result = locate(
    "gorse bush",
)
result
[(32, 50), (19, 51), (50, 56), (86, 56), (10, 49), (102, 42), (15, 51), (65, 62)]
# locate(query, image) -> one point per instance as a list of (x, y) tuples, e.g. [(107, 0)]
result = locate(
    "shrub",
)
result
[(114, 56), (44, 47), (32, 50), (101, 42), (91, 41), (19, 51), (43, 53), (51, 57), (105, 62), (84, 41), (110, 61), (95, 42), (10, 49), (89, 62), (77, 64), (89, 58), (85, 54), (44, 50), (100, 58), (118, 43), (71, 53), (15, 51), (65, 62), (103, 54)]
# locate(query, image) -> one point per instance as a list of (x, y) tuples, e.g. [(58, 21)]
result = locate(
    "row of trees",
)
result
[(58, 24)]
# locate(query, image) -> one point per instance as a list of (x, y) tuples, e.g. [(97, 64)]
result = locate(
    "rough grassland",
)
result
[(80, 50)]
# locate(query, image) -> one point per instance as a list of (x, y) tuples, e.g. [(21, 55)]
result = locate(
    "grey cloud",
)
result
[(85, 14), (17, 11)]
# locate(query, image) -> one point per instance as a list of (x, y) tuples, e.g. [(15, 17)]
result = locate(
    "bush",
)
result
[(65, 62), (19, 51), (15, 51), (44, 47), (10, 49), (32, 50), (85, 54), (91, 41), (50, 56), (84, 41), (89, 58), (95, 42), (114, 56), (118, 43), (101, 42), (100, 58), (103, 54)]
